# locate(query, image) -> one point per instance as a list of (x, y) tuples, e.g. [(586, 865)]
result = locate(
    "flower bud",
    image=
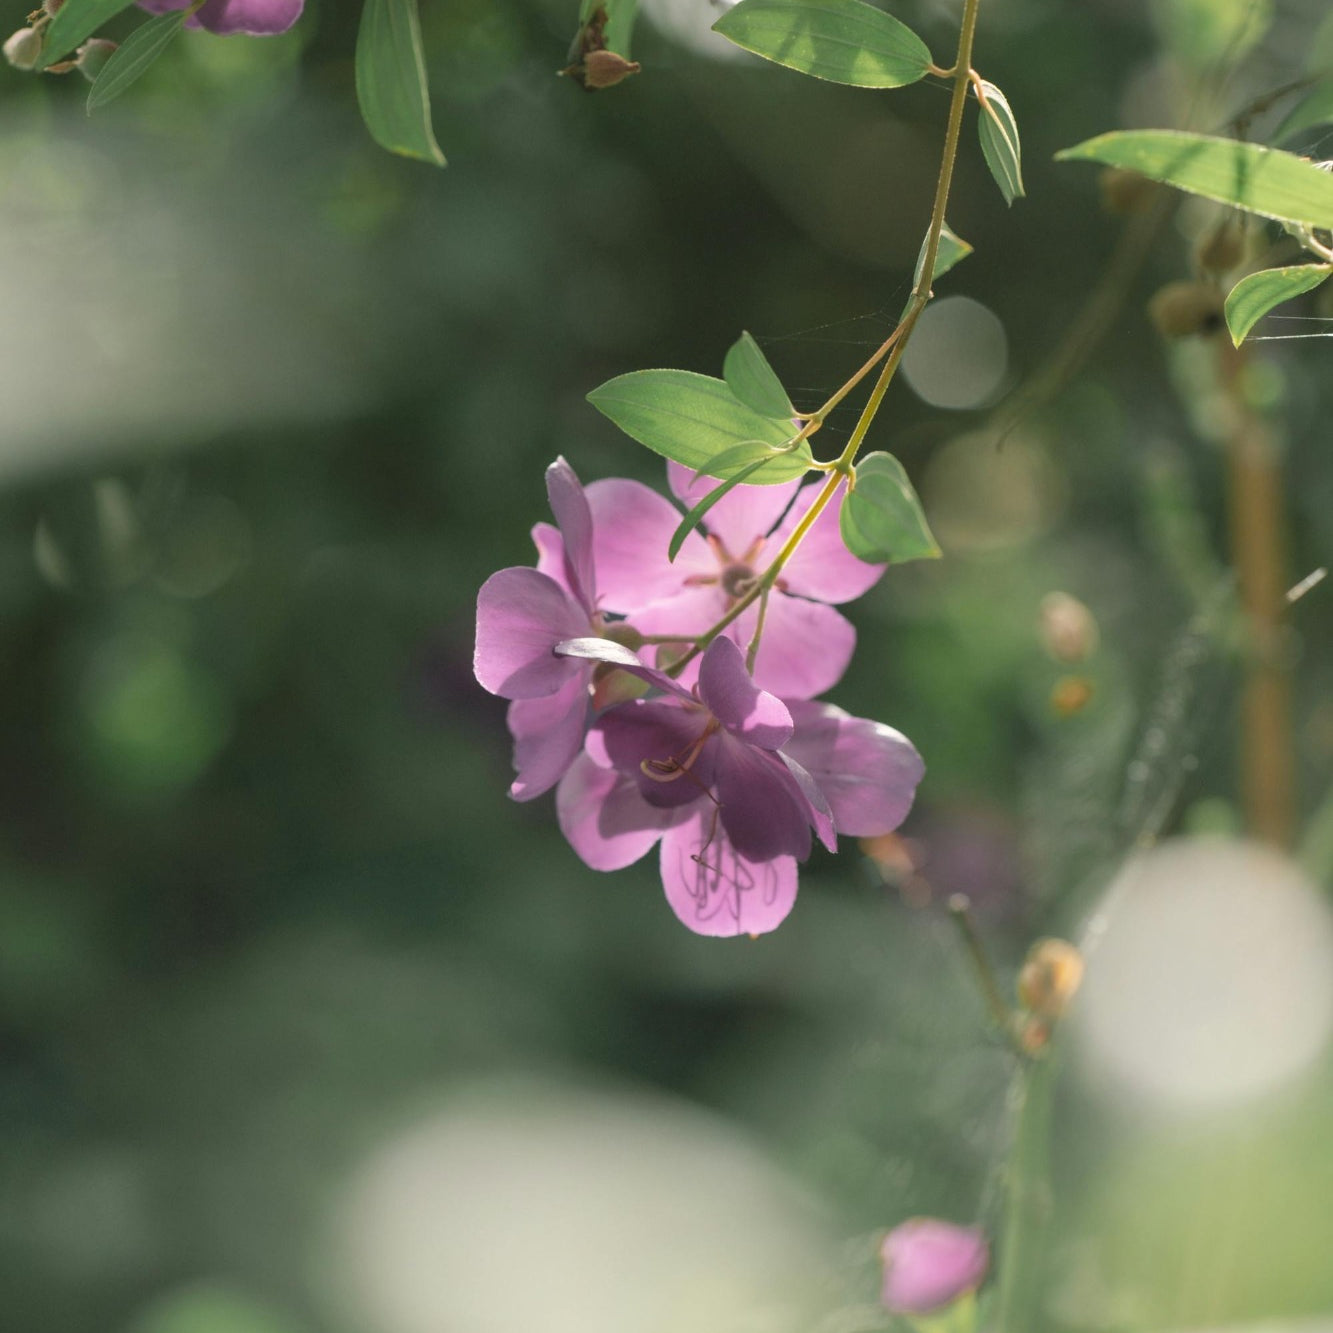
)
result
[(929, 1264), (601, 69), (52, 7), (24, 49), (1068, 629), (1050, 977), (91, 56), (1183, 309), (1221, 249), (1126, 192)]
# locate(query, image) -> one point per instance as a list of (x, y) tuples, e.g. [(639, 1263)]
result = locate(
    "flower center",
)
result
[(736, 579)]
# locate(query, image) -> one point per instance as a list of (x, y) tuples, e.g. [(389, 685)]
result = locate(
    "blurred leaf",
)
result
[(1201, 33), (691, 520), (844, 41), (129, 62), (1260, 180), (692, 419), (754, 381), (1253, 297), (952, 250), (998, 131), (881, 517), (1315, 108), (75, 21), (619, 25), (391, 80)]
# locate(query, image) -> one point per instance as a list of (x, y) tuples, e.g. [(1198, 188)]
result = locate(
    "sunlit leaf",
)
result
[(844, 41), (1253, 297), (131, 59), (1259, 180), (741, 455), (75, 21), (1315, 108), (881, 518), (952, 249), (391, 80), (691, 520), (754, 381), (998, 131), (693, 418)]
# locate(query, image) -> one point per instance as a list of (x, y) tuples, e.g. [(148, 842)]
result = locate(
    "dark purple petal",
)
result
[(616, 654), (605, 819), (929, 1264), (572, 514), (548, 735), (741, 517), (762, 808), (805, 648), (251, 18), (868, 771), (716, 891), (653, 733), (737, 702), (521, 616), (632, 526), (822, 567), (818, 810)]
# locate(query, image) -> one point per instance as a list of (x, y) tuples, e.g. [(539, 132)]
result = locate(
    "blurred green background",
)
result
[(275, 403)]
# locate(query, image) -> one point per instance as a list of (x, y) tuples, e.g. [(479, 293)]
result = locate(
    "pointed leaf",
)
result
[(391, 80), (844, 41), (754, 381), (952, 250), (742, 455), (881, 517), (691, 520), (1315, 108), (75, 21), (998, 131), (1253, 297), (131, 59), (693, 418), (1259, 180)]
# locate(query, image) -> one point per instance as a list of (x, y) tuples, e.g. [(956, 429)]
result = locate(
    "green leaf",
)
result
[(725, 464), (1315, 108), (619, 26), (691, 520), (951, 250), (881, 517), (754, 381), (844, 41), (692, 419), (75, 21), (391, 80), (1253, 297), (131, 59), (998, 131), (1204, 33), (1259, 180)]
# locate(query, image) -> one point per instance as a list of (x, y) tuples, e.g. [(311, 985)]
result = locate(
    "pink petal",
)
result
[(548, 735), (823, 568), (521, 616), (604, 818), (688, 613), (569, 504), (868, 771), (929, 1264), (737, 702), (762, 809), (253, 18), (714, 890), (550, 554), (740, 517), (805, 648), (632, 526)]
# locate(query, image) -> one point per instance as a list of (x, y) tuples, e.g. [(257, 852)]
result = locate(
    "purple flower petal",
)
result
[(521, 616), (929, 1263), (593, 649), (818, 810), (548, 735), (868, 771), (632, 526), (551, 554), (251, 18), (649, 735), (737, 702), (742, 516), (569, 504), (805, 649), (763, 811), (605, 819), (822, 567), (716, 891), (688, 613)]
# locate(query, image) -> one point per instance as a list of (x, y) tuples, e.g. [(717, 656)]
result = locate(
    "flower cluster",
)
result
[(732, 769)]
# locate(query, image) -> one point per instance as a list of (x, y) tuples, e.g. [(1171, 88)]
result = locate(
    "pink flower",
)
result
[(253, 18), (806, 644), (521, 615), (928, 1264)]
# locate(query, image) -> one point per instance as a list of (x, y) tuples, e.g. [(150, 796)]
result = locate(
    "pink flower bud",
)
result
[(928, 1264), (24, 48)]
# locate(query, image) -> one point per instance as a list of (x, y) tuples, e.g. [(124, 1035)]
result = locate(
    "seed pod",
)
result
[(1126, 192), (92, 55), (1050, 978), (1186, 309), (1068, 628), (1223, 248), (24, 49)]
